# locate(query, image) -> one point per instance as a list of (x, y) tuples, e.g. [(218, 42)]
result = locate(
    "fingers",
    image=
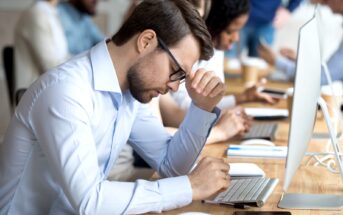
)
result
[(217, 90), (205, 88), (197, 77), (207, 83), (265, 98), (216, 163), (242, 120)]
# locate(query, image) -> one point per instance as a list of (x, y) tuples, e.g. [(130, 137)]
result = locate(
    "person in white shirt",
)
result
[(73, 121), (39, 43), (224, 21)]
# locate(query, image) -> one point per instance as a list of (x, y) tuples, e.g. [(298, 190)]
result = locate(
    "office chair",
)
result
[(8, 60)]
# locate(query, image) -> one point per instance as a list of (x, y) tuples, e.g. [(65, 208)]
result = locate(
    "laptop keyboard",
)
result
[(251, 191), (261, 131)]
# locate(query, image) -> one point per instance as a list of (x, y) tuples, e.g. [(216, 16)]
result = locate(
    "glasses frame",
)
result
[(179, 74)]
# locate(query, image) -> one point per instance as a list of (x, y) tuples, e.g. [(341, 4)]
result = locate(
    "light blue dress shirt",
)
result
[(335, 66), (67, 132), (79, 29)]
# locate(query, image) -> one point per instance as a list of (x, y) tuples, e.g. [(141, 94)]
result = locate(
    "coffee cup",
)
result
[(250, 72)]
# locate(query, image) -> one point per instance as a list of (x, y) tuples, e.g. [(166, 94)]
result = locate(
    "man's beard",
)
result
[(137, 85)]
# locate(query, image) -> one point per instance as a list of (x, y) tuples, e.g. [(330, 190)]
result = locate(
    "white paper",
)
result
[(266, 112)]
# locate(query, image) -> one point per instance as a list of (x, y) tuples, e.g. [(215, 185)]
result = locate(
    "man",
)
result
[(77, 23), (286, 63), (72, 123)]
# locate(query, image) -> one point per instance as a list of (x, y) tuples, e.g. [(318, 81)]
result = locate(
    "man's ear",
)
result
[(146, 41)]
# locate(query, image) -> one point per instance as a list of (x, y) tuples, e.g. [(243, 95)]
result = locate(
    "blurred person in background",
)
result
[(79, 28), (286, 62), (265, 16), (40, 44)]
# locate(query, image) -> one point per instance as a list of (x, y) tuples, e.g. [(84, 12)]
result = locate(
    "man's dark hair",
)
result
[(196, 3), (223, 12), (207, 6), (171, 20)]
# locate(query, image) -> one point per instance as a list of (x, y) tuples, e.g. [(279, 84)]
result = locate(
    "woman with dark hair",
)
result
[(224, 21)]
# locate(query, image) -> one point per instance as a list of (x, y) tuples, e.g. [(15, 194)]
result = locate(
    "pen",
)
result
[(257, 149)]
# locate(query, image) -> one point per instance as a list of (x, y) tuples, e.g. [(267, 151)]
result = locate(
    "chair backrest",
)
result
[(8, 61)]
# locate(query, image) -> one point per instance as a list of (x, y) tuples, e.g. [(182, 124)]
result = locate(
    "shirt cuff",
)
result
[(200, 121), (176, 192), (227, 102)]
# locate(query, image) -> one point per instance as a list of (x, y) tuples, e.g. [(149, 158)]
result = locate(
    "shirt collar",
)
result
[(104, 73)]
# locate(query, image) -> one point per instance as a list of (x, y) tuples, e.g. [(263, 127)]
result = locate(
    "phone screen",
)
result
[(273, 92), (279, 94), (262, 213)]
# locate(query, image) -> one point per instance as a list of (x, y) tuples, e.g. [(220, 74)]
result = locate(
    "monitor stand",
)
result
[(317, 201), (311, 201)]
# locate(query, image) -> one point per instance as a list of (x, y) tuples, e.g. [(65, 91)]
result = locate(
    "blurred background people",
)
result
[(79, 29), (286, 61), (264, 17), (39, 43)]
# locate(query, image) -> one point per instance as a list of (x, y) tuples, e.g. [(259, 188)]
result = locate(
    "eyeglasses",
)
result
[(179, 74)]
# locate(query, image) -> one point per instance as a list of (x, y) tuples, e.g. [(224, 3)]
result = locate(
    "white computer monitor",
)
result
[(305, 99), (306, 93)]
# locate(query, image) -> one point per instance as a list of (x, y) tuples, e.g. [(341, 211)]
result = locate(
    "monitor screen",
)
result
[(306, 94)]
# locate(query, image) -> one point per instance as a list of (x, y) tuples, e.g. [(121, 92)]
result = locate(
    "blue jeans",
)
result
[(250, 39)]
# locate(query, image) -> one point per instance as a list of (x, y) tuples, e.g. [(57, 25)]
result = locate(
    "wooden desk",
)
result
[(308, 179)]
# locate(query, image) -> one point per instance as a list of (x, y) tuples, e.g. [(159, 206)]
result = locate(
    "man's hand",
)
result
[(209, 177), (231, 122), (205, 89), (253, 94)]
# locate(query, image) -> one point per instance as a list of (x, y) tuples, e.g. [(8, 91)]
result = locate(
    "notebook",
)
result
[(257, 151), (245, 170)]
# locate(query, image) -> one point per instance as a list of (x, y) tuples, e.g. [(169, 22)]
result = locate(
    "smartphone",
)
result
[(261, 213), (278, 94)]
